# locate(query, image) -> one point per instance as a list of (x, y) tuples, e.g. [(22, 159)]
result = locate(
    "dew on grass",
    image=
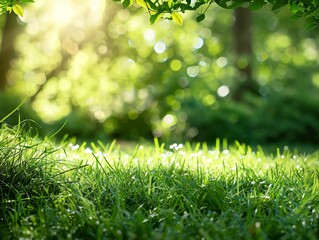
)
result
[(299, 167), (99, 154), (176, 146), (182, 153), (88, 151), (149, 161), (226, 152), (74, 147), (166, 155), (195, 155), (213, 152)]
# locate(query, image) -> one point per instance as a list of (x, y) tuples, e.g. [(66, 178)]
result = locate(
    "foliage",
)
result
[(157, 9), (98, 191), (13, 5), (122, 78), (279, 118)]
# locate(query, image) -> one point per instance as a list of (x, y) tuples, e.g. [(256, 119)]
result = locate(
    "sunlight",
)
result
[(69, 12), (62, 12)]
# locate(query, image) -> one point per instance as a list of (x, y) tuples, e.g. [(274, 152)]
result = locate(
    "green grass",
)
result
[(97, 191)]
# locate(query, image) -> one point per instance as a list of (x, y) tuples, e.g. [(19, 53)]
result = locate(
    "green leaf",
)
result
[(279, 4), (141, 3), (236, 4), (177, 17), (256, 4), (294, 8), (17, 9), (301, 7), (185, 7), (221, 3), (127, 3), (155, 17), (200, 17), (311, 23), (9, 9)]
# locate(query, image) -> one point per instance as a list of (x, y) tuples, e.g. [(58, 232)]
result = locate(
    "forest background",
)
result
[(103, 72)]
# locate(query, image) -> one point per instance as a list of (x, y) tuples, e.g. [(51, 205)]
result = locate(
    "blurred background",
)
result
[(106, 73)]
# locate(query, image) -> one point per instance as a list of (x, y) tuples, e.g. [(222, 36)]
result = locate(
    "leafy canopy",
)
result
[(172, 9), (13, 5)]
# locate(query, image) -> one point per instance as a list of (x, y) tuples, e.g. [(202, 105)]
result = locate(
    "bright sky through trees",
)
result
[(64, 13)]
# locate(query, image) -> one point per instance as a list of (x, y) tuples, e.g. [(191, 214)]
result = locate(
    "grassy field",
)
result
[(182, 191)]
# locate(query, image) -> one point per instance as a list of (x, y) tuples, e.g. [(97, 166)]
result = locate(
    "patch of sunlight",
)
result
[(310, 49), (193, 71), (176, 65), (198, 43), (223, 91), (221, 62), (169, 120), (149, 35), (160, 47), (209, 100), (262, 56), (315, 79)]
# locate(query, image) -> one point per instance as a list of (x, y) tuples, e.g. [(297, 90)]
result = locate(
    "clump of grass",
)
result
[(24, 164), (29, 173), (158, 192)]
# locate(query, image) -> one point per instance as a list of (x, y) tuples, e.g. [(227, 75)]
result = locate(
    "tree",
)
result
[(242, 40), (10, 31), (171, 9), (7, 53)]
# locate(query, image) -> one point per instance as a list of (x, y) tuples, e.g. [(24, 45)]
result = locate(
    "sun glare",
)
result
[(69, 12), (62, 12)]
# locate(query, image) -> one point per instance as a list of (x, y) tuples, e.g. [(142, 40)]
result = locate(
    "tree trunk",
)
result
[(244, 52), (7, 53)]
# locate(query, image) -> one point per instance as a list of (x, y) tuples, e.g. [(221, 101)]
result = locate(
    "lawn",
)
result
[(98, 190)]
